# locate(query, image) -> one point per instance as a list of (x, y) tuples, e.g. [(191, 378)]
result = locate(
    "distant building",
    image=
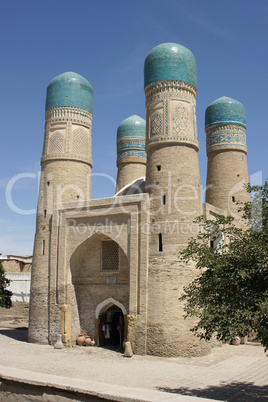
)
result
[(110, 267), (18, 271)]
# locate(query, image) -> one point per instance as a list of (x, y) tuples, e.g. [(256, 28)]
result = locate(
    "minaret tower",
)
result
[(65, 176), (173, 183), (227, 171), (131, 155)]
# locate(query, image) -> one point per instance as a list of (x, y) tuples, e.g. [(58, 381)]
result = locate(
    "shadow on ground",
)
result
[(19, 334), (233, 392)]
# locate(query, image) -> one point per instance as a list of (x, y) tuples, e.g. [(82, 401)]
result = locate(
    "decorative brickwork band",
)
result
[(126, 144), (60, 114), (229, 136), (131, 151), (171, 114), (56, 144), (80, 142), (136, 154), (68, 135), (156, 124), (169, 86)]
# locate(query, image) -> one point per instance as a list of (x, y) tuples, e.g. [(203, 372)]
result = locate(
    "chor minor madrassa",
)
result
[(109, 268)]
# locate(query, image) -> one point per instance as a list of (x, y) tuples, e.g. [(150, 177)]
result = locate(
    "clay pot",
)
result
[(236, 341), (87, 341), (93, 343), (80, 340)]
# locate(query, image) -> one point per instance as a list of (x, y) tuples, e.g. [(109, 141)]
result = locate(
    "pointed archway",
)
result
[(99, 271), (110, 317)]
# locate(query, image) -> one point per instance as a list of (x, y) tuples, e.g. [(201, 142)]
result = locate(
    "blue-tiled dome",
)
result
[(70, 89), (170, 61), (225, 110), (132, 127), (131, 140)]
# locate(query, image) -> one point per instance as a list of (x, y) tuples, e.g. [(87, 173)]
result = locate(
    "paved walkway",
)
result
[(229, 373)]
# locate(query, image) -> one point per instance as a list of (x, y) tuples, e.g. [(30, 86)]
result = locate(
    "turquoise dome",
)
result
[(131, 139), (170, 61), (70, 89), (132, 127), (225, 110)]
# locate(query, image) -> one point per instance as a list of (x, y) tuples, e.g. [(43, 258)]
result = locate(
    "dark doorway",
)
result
[(111, 328)]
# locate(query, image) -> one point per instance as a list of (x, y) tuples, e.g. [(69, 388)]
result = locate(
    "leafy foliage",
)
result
[(229, 297), (5, 295)]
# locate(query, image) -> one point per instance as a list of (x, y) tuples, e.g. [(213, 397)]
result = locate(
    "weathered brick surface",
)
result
[(150, 229), (127, 172)]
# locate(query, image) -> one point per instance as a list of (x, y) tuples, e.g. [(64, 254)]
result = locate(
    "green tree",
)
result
[(5, 294), (229, 297)]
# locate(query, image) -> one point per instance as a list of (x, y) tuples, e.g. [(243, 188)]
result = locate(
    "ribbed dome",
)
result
[(225, 110), (70, 89), (132, 127), (170, 61)]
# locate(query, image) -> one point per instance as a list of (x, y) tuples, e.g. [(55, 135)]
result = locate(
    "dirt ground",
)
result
[(229, 373), (14, 317)]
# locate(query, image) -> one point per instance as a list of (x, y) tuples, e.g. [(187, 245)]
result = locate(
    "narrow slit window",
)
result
[(48, 183), (44, 246), (164, 199), (160, 243), (211, 243), (45, 213), (158, 168)]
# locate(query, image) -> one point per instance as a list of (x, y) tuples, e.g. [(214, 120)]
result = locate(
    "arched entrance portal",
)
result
[(111, 327)]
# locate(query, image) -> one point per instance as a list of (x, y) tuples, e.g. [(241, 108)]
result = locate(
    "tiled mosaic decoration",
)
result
[(170, 90), (169, 61), (166, 118), (125, 144), (156, 124), (80, 142), (56, 143), (227, 135), (194, 122), (137, 154), (69, 114), (180, 121)]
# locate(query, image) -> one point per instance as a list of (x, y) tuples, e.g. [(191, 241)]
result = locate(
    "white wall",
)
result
[(20, 286)]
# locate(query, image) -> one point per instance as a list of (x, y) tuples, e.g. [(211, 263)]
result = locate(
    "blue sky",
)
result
[(106, 41)]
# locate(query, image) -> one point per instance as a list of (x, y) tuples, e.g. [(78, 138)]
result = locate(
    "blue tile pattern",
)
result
[(132, 127), (127, 154), (194, 122), (229, 135), (225, 110), (176, 93), (126, 144), (80, 142), (170, 61), (181, 121), (131, 138), (70, 89), (165, 140), (166, 118), (156, 124), (56, 143)]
